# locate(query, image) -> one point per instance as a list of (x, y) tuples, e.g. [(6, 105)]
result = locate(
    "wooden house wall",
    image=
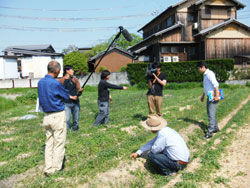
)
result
[(172, 36), (188, 26), (226, 48), (209, 23), (159, 21)]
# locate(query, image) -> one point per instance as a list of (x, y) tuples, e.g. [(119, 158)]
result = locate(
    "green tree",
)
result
[(123, 43), (69, 49), (97, 49), (120, 42), (78, 61)]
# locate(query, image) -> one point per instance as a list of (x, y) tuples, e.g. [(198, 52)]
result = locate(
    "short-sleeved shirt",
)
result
[(157, 88)]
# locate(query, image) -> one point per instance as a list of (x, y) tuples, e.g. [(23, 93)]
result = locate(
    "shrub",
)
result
[(28, 98), (123, 69), (241, 73), (6, 104), (182, 71), (248, 84), (142, 85), (102, 68), (78, 61)]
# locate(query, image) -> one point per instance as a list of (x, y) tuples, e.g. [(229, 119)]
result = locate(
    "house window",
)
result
[(170, 21), (158, 27), (207, 10), (165, 49), (190, 18), (192, 51), (174, 49)]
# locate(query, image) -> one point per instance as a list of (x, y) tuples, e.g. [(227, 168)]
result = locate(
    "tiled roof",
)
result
[(170, 7), (37, 50), (220, 25), (111, 49), (35, 53), (240, 5), (179, 24), (32, 47)]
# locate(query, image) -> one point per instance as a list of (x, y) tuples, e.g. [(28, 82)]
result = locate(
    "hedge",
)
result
[(182, 71)]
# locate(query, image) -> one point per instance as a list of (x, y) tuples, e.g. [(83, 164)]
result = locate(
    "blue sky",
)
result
[(77, 22)]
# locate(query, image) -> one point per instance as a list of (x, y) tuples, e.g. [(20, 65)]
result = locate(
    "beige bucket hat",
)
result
[(154, 123)]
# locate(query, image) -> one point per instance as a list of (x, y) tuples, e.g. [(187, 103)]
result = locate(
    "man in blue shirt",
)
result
[(168, 151), (50, 93)]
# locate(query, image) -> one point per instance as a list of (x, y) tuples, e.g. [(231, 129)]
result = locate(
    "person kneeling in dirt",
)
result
[(168, 151)]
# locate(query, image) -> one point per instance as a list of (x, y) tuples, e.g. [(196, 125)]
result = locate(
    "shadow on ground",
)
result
[(202, 125), (140, 117)]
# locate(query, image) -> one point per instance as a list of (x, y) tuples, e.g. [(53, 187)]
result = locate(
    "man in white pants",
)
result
[(50, 93)]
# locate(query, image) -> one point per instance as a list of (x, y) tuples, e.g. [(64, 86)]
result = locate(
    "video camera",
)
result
[(152, 68)]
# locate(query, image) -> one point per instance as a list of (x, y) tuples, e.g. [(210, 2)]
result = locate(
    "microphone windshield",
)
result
[(126, 35)]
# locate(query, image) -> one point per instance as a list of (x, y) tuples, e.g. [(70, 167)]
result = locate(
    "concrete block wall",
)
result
[(6, 84), (117, 78)]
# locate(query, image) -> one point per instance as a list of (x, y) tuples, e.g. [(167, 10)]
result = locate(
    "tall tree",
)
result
[(123, 43), (69, 49), (78, 61)]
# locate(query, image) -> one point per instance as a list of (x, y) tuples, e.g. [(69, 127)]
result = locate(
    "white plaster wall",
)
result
[(2, 76), (38, 65), (234, 32), (10, 68)]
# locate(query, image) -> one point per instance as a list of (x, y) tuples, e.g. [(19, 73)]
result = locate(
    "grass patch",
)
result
[(6, 104), (94, 150)]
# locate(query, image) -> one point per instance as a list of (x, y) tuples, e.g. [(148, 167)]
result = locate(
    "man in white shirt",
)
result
[(210, 84), (168, 151)]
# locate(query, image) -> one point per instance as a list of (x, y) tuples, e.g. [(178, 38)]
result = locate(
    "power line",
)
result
[(75, 19), (66, 10), (21, 28)]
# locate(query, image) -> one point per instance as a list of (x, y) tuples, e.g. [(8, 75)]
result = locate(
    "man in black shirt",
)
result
[(155, 88), (104, 97), (71, 106)]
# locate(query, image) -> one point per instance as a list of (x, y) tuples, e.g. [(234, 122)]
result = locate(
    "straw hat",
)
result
[(154, 123)]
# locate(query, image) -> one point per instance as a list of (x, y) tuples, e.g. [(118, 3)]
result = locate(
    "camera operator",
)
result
[(155, 86)]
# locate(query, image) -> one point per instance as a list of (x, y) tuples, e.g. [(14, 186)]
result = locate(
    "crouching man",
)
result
[(168, 151)]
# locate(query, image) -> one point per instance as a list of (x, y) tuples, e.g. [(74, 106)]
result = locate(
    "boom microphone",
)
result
[(126, 34)]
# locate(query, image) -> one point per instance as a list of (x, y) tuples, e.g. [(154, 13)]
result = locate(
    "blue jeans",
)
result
[(103, 116), (211, 112), (164, 164), (74, 109)]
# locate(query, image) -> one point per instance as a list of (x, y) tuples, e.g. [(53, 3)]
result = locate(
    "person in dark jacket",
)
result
[(104, 97), (72, 84)]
